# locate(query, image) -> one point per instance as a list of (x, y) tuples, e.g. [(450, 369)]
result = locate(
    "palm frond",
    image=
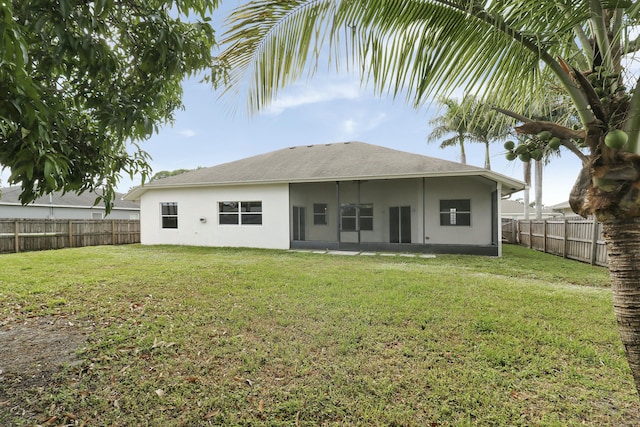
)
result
[(413, 48)]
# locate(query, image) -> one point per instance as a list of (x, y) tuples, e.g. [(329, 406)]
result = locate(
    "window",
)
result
[(455, 212), (228, 212), (366, 217), (251, 213), (243, 213), (97, 215), (169, 211), (356, 217), (319, 213)]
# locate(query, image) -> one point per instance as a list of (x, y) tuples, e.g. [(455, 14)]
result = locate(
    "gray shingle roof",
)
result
[(9, 195), (323, 162)]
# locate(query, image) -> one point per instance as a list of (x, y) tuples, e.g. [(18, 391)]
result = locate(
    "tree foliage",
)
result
[(472, 121), (83, 83), (166, 174)]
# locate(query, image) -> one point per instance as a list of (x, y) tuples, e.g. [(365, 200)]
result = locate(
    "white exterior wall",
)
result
[(197, 203)]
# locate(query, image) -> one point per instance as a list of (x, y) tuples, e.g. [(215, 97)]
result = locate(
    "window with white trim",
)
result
[(355, 217), (240, 213), (169, 213), (455, 212), (320, 214)]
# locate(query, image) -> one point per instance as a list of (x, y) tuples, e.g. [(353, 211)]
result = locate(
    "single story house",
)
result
[(64, 206), (513, 209), (340, 196), (564, 210)]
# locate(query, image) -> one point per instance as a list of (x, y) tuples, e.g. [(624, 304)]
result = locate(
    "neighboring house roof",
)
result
[(10, 196), (561, 206), (326, 162), (565, 208), (513, 207)]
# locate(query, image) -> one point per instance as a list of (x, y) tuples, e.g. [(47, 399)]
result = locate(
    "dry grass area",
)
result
[(177, 336)]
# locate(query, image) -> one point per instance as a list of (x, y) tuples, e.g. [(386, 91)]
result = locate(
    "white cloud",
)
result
[(353, 127), (300, 95), (187, 133)]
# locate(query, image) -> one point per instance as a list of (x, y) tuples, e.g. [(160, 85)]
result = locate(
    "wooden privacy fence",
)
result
[(21, 235), (575, 238)]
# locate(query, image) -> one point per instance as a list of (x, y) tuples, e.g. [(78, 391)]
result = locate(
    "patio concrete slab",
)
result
[(347, 253)]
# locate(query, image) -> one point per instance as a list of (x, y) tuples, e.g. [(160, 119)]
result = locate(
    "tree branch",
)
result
[(533, 127), (575, 93), (512, 114)]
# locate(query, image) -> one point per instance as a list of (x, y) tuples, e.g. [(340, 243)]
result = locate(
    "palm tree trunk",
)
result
[(487, 160), (538, 175), (623, 244), (463, 155), (527, 181)]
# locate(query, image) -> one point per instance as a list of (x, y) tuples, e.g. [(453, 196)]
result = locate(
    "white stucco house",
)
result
[(64, 206), (340, 196)]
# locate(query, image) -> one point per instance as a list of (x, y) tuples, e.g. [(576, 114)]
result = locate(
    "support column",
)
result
[(338, 212)]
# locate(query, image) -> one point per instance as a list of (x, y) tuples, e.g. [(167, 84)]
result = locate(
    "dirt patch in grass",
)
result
[(34, 351)]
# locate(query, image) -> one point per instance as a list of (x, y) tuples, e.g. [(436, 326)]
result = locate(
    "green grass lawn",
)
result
[(184, 336)]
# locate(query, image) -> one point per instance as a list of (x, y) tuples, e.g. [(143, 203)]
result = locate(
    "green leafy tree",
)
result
[(504, 51), (83, 82), (469, 120), (166, 174)]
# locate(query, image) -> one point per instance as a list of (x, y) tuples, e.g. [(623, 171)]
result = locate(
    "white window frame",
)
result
[(320, 211), (357, 217), (449, 216), (245, 213), (171, 215)]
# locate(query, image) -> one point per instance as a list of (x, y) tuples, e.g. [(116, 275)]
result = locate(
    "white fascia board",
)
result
[(509, 185)]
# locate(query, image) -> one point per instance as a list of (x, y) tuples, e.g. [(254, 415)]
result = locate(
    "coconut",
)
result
[(616, 139)]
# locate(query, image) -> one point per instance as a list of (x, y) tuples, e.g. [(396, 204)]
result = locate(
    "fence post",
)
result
[(530, 234), (70, 234), (16, 233), (113, 231), (544, 237), (565, 242), (594, 241)]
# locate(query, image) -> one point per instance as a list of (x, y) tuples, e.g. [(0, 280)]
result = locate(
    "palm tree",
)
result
[(527, 180), (505, 52), (470, 120), (453, 120), (487, 126)]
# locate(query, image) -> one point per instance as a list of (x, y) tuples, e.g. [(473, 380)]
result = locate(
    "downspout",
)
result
[(499, 216), (358, 212), (424, 214), (338, 213), (291, 219)]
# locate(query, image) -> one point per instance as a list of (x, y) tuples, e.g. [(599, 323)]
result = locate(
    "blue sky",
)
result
[(328, 108)]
